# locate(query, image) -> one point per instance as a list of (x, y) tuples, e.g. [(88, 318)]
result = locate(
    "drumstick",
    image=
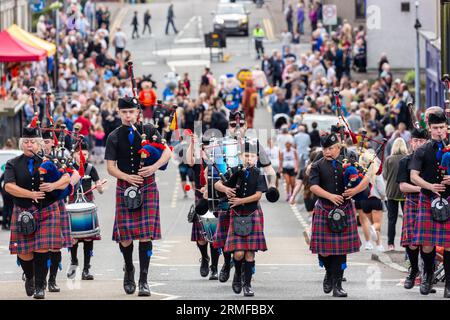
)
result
[(95, 187)]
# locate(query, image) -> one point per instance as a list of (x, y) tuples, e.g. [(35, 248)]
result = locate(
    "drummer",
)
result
[(55, 254), (244, 188), (90, 176), (143, 223), (198, 166), (32, 245)]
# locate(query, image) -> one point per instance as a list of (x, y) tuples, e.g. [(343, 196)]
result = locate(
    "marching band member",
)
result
[(137, 198), (91, 175), (244, 188), (332, 239), (55, 254), (432, 227), (197, 234), (419, 137), (36, 221)]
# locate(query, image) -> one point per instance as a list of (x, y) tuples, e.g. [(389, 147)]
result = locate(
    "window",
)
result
[(360, 7), (405, 7)]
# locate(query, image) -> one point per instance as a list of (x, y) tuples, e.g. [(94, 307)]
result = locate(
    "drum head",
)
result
[(80, 206)]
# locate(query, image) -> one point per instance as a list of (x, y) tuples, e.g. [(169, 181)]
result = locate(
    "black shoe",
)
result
[(410, 279), (129, 285), (338, 291), (86, 275), (426, 284), (248, 292), (204, 267), (39, 293), (224, 273), (327, 282), (29, 286), (144, 290), (52, 286), (72, 271), (213, 274), (237, 283)]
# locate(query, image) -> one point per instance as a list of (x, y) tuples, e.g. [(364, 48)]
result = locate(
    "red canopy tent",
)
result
[(13, 50)]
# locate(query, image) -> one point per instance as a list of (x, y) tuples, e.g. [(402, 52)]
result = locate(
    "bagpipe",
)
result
[(355, 171), (151, 150), (58, 161), (440, 207)]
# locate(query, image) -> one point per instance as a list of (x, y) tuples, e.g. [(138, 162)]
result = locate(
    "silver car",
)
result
[(231, 18)]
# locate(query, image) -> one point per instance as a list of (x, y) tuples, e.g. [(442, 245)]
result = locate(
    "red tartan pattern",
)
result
[(47, 236), (253, 242), (409, 218), (65, 225), (428, 232), (223, 225), (142, 223), (324, 241)]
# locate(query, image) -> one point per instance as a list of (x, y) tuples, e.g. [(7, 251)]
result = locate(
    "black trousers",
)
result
[(135, 31), (170, 22), (259, 48), (392, 206), (149, 28)]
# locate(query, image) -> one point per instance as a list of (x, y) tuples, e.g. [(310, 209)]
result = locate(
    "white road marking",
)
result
[(184, 51), (182, 31), (173, 65), (149, 63)]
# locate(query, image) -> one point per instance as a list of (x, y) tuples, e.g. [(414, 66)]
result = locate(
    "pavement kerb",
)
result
[(387, 261)]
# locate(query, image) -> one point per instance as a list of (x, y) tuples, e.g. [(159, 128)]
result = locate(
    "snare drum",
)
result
[(83, 220), (209, 226), (225, 154)]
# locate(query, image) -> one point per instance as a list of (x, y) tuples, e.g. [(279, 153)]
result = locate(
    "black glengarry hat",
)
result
[(47, 134), (234, 115), (328, 140), (128, 103), (437, 117), (28, 132)]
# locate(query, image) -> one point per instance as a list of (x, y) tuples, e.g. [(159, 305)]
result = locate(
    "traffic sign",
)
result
[(329, 14)]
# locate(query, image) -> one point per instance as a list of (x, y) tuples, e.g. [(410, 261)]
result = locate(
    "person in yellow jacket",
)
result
[(259, 35)]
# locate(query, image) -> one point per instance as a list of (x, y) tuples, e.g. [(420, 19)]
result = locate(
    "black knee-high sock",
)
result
[(337, 265), (413, 256), (55, 258), (227, 258), (203, 250), (40, 268), (249, 265), (73, 253), (238, 267), (145, 252), (127, 253), (428, 260), (447, 267), (88, 252), (214, 255), (27, 267), (325, 262)]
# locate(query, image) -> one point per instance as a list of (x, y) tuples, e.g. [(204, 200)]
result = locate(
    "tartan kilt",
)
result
[(197, 229), (47, 236), (409, 218), (223, 225), (90, 198), (65, 225), (142, 223), (324, 241), (428, 232), (253, 242)]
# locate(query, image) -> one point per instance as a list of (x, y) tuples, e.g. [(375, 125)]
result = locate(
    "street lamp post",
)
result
[(55, 8), (417, 26)]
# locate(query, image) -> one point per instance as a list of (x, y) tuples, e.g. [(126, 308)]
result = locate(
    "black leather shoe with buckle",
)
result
[(426, 284), (327, 282), (237, 283), (29, 286), (144, 289), (213, 273), (248, 292), (52, 286), (410, 280)]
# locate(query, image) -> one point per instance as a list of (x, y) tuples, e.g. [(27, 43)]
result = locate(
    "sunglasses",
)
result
[(233, 124)]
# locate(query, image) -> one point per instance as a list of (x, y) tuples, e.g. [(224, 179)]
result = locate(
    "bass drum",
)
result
[(209, 226)]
